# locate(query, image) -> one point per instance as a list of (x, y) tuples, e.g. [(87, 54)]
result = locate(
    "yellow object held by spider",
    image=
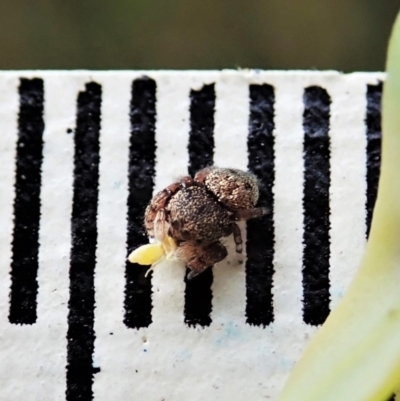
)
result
[(152, 254)]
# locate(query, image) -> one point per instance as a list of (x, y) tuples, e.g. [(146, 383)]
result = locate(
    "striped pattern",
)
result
[(140, 175), (198, 294), (260, 232), (316, 148), (80, 335), (25, 242), (82, 154)]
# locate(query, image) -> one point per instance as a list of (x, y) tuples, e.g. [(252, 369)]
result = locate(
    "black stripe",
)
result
[(198, 294), (201, 137), (260, 232), (142, 153), (81, 334), (316, 238), (25, 243), (374, 145)]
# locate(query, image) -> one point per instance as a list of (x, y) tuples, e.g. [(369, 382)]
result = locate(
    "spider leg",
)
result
[(247, 214), (152, 214), (201, 175), (151, 268), (168, 246), (194, 273), (200, 257), (155, 214), (237, 237)]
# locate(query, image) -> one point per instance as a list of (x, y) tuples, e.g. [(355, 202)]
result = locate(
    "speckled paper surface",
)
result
[(81, 153)]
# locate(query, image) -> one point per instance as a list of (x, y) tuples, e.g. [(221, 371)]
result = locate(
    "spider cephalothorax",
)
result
[(189, 217)]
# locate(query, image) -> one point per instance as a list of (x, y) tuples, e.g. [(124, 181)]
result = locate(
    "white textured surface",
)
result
[(229, 360)]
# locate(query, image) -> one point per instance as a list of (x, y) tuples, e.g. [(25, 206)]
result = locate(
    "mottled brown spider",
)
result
[(189, 217)]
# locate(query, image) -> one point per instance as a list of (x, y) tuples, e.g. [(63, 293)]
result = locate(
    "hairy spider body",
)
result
[(195, 213), (195, 216)]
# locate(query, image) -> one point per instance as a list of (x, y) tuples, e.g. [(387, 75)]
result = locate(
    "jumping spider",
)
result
[(189, 218)]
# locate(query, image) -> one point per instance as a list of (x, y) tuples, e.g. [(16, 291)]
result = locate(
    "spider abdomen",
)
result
[(196, 216), (234, 188)]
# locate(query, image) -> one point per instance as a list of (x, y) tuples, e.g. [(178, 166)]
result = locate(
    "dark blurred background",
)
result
[(347, 35)]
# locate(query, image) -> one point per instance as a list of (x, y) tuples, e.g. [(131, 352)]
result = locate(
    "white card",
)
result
[(78, 322)]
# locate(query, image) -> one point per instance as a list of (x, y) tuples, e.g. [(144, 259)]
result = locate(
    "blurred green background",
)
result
[(347, 35)]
